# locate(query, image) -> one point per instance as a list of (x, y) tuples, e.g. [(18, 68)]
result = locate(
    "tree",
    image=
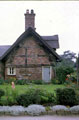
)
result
[(68, 59), (78, 70)]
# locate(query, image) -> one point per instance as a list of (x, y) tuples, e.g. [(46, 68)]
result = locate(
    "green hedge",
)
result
[(35, 96), (66, 96)]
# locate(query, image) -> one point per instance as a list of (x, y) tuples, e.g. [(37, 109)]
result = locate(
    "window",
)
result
[(11, 71)]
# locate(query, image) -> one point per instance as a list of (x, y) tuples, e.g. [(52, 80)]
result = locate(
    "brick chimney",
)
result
[(29, 19)]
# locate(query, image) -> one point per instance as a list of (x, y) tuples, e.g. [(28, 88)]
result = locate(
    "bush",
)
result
[(35, 110), (10, 80), (73, 77), (39, 82), (21, 82), (59, 108), (54, 81), (62, 72), (75, 109), (10, 97), (35, 96), (66, 96), (6, 100), (1, 93), (30, 97), (1, 81)]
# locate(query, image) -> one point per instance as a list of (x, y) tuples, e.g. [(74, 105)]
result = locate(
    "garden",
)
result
[(36, 97)]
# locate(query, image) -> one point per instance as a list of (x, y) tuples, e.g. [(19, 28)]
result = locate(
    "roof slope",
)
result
[(52, 41), (3, 49), (28, 32)]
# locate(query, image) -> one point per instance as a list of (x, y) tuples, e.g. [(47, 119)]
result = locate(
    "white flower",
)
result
[(35, 109)]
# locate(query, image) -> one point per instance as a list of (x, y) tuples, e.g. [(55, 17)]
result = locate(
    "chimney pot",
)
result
[(32, 11), (27, 11)]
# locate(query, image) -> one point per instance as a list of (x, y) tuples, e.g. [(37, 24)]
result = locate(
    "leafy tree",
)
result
[(77, 62), (68, 59)]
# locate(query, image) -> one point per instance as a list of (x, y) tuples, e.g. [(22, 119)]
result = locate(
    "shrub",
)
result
[(10, 97), (48, 99), (75, 109), (35, 96), (30, 97), (1, 81), (37, 82), (22, 82), (66, 96), (62, 72), (10, 80), (6, 100), (59, 108), (1, 93), (73, 77), (54, 81), (77, 97), (35, 110)]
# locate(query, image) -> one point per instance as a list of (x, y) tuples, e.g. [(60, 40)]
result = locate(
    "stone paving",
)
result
[(45, 117)]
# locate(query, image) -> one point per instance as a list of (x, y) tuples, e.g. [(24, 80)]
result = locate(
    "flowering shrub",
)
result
[(59, 107), (62, 72), (74, 109), (35, 109)]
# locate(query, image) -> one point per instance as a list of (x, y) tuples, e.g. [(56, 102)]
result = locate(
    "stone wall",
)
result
[(28, 58), (1, 69)]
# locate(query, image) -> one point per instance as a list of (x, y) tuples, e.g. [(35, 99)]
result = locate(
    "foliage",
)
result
[(21, 82), (77, 99), (6, 100), (10, 97), (1, 93), (1, 81), (62, 72), (55, 81), (35, 96), (10, 80), (73, 77), (77, 62), (39, 82), (66, 96), (68, 58)]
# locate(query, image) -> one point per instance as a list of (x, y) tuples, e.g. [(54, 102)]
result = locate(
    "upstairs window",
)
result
[(11, 71)]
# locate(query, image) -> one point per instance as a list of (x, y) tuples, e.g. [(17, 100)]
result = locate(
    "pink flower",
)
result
[(13, 85)]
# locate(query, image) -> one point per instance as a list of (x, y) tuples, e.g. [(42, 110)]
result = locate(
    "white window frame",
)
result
[(11, 71)]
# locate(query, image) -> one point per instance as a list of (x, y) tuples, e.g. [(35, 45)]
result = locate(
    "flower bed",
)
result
[(36, 110)]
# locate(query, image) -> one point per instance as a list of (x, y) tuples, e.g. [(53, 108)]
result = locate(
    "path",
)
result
[(40, 118)]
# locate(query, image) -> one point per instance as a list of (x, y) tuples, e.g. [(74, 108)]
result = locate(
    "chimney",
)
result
[(29, 19)]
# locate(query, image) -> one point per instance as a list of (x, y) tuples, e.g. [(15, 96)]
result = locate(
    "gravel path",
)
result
[(40, 118)]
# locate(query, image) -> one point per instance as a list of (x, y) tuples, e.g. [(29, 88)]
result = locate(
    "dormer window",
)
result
[(11, 71)]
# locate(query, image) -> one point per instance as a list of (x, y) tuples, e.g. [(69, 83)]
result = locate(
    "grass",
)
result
[(23, 88)]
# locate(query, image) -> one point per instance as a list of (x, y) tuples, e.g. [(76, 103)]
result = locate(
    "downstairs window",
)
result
[(11, 71)]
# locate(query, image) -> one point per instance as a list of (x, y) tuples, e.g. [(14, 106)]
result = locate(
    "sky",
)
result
[(52, 17)]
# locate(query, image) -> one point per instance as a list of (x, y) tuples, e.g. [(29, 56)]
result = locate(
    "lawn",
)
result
[(22, 88)]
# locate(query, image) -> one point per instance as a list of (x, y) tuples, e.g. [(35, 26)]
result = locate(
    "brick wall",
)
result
[(28, 59)]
